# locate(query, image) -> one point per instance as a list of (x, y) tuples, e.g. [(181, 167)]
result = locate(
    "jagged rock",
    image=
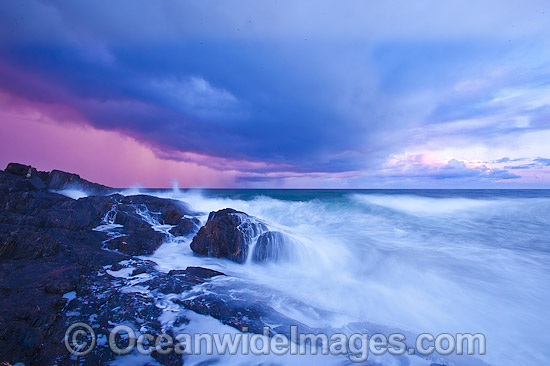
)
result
[(198, 272), (137, 213), (25, 171), (227, 234), (48, 249), (185, 226), (56, 179), (137, 242), (12, 183), (168, 211), (37, 183), (59, 180)]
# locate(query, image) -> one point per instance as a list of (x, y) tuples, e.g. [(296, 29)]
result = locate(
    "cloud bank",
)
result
[(288, 94)]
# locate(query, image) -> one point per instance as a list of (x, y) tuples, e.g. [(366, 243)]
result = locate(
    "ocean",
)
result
[(411, 261)]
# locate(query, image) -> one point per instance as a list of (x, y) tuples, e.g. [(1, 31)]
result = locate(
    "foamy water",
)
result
[(445, 263)]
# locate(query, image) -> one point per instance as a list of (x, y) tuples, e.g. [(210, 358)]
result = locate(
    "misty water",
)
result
[(412, 261)]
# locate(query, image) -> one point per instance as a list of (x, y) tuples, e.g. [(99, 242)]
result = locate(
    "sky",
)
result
[(279, 94)]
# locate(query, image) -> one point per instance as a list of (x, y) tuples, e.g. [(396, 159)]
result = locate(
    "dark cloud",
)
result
[(215, 86)]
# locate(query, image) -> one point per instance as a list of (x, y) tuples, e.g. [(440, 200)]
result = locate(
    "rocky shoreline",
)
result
[(65, 260)]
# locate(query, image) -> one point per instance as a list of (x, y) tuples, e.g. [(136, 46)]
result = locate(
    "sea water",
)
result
[(417, 261)]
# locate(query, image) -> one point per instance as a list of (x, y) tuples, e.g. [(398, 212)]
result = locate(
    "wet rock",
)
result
[(185, 226), (240, 313), (139, 271), (49, 248), (199, 272), (178, 281), (101, 303), (137, 235), (166, 211), (138, 214), (227, 234), (138, 242)]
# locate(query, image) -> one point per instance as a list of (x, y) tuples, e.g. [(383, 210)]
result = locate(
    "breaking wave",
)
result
[(437, 263)]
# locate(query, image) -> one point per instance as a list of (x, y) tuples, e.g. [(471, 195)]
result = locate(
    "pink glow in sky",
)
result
[(105, 157), (330, 98)]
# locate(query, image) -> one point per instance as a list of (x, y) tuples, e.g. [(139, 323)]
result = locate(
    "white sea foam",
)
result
[(73, 193), (417, 263)]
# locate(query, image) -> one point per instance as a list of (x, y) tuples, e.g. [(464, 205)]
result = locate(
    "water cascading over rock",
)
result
[(228, 233), (272, 246)]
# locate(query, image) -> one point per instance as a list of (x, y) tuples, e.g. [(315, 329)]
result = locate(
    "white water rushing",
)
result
[(402, 262)]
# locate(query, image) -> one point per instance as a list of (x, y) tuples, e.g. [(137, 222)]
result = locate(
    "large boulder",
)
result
[(228, 233)]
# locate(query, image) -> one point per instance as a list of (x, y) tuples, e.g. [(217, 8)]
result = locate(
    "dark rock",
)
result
[(99, 298), (48, 248), (37, 183), (168, 211), (227, 234), (10, 183), (139, 271), (126, 216), (185, 226), (59, 180), (82, 214), (271, 246), (28, 244), (62, 280), (175, 285), (200, 272), (25, 171), (178, 281), (240, 313), (139, 242), (55, 180), (138, 213), (138, 237), (117, 267)]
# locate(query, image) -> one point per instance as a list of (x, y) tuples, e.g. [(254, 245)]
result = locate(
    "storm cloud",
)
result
[(274, 90)]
